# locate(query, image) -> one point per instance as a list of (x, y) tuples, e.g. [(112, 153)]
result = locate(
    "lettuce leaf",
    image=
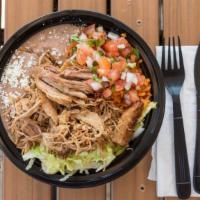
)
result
[(83, 161), (139, 127)]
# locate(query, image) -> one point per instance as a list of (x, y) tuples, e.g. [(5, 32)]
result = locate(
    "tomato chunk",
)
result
[(114, 75), (104, 66), (83, 52), (119, 65), (125, 52), (111, 48)]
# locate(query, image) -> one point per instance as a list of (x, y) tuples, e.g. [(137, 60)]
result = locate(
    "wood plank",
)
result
[(17, 185), (142, 16), (19, 12), (182, 18), (174, 198), (97, 193), (135, 185), (95, 5)]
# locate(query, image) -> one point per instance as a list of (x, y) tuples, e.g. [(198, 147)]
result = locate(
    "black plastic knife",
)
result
[(196, 173)]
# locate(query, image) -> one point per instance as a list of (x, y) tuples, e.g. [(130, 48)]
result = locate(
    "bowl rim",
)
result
[(152, 128)]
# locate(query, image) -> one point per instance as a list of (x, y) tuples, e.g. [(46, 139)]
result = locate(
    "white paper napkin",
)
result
[(162, 167)]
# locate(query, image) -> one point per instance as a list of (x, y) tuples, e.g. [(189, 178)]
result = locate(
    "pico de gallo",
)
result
[(114, 62)]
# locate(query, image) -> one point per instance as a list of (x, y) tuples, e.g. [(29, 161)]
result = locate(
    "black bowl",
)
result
[(141, 145)]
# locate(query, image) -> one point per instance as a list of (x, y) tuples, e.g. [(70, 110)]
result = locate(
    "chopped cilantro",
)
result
[(74, 49), (97, 79), (94, 69), (101, 53), (112, 59), (95, 43), (136, 52), (113, 88), (74, 38), (95, 63)]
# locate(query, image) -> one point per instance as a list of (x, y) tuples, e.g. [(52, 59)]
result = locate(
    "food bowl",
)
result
[(141, 145)]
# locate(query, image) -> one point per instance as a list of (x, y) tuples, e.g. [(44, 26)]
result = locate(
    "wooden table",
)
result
[(152, 19)]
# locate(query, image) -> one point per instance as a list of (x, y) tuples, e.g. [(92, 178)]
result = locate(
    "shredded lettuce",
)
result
[(139, 127), (52, 164)]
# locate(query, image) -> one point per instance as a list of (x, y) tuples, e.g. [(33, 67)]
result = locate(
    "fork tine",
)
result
[(180, 54), (163, 56), (174, 55), (169, 64)]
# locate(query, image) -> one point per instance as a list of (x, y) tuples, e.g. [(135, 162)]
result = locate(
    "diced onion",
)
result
[(83, 36), (96, 56), (131, 65), (89, 62), (105, 79), (121, 46), (96, 86), (127, 86), (123, 75), (131, 77), (113, 36), (100, 28)]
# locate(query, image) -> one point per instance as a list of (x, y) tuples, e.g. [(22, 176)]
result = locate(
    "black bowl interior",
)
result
[(140, 145)]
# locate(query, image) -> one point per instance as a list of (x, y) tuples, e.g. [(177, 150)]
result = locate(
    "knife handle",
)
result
[(196, 173), (183, 183)]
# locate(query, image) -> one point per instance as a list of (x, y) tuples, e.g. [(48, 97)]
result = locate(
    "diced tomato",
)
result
[(81, 57), (107, 93), (122, 40), (69, 48), (114, 75), (120, 65), (83, 52), (111, 48), (119, 85), (133, 96), (89, 30), (104, 66), (125, 52)]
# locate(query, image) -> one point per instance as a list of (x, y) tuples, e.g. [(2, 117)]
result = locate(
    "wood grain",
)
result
[(142, 17), (182, 18), (95, 5), (17, 185), (135, 185), (97, 193), (174, 198), (19, 12)]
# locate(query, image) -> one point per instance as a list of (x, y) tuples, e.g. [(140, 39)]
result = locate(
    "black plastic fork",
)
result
[(174, 77)]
